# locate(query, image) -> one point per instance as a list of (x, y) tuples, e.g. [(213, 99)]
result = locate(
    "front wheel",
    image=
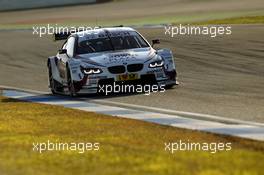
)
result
[(70, 84), (51, 81)]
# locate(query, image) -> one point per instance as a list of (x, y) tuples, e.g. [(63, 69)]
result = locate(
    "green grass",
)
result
[(126, 146), (190, 18), (236, 20)]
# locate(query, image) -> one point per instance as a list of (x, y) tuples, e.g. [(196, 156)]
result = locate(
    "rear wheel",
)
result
[(169, 86)]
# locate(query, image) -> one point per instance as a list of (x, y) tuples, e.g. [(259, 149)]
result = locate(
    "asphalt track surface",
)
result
[(221, 76)]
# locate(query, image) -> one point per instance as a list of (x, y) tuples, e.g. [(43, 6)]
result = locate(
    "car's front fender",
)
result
[(167, 56)]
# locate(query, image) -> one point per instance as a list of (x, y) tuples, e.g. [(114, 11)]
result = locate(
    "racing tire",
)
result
[(70, 84), (169, 86), (52, 83)]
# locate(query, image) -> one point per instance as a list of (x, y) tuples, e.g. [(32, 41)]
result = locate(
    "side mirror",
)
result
[(155, 41), (62, 51)]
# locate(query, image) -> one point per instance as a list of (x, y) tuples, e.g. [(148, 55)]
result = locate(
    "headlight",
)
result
[(90, 71), (156, 64)]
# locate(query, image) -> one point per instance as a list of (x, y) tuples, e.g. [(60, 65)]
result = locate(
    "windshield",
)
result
[(110, 42)]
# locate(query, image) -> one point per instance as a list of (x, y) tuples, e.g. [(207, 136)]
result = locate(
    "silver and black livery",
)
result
[(106, 55)]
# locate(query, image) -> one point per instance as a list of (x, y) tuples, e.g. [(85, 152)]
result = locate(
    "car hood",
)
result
[(113, 58)]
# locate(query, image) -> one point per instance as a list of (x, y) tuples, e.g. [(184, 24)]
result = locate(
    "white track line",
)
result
[(239, 130), (192, 115)]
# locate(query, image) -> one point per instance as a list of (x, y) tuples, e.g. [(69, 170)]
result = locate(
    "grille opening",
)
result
[(134, 67), (117, 69)]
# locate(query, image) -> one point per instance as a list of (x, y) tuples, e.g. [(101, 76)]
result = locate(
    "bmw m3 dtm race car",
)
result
[(88, 59)]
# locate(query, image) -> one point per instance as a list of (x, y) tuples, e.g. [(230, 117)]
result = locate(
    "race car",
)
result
[(88, 59)]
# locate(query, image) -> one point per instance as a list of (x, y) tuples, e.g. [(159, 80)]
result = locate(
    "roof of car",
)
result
[(103, 30)]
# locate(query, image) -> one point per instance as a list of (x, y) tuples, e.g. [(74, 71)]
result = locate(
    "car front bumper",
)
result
[(91, 84)]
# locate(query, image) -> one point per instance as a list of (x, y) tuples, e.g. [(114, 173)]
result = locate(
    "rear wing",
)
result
[(64, 35), (61, 36)]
